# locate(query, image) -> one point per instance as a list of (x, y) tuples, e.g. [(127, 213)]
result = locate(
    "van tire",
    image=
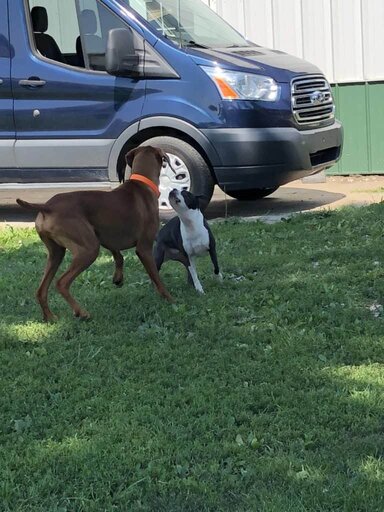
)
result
[(202, 182), (251, 194)]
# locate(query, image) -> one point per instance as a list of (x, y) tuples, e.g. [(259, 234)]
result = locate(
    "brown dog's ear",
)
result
[(130, 156), (129, 161)]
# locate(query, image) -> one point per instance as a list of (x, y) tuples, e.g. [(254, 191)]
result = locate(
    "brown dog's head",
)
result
[(146, 158)]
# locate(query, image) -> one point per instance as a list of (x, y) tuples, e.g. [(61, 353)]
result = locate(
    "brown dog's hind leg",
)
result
[(118, 277), (55, 257), (83, 256), (146, 257)]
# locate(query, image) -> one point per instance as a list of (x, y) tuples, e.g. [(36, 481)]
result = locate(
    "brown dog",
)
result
[(119, 219)]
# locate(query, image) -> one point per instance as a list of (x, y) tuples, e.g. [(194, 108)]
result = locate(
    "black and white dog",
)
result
[(186, 236)]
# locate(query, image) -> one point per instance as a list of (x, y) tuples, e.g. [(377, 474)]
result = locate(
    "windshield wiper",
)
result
[(238, 46), (193, 44)]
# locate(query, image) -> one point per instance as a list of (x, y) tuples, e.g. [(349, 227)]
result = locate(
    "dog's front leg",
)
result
[(193, 274), (118, 277), (144, 252)]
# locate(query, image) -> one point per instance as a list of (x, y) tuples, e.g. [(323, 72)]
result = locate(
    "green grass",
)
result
[(377, 190), (265, 394)]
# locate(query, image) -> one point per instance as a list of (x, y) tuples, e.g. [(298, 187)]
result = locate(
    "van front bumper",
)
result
[(253, 158)]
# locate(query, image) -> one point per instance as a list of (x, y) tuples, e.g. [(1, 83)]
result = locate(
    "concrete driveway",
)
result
[(295, 197)]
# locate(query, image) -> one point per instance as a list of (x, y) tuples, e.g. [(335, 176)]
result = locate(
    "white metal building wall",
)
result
[(345, 38)]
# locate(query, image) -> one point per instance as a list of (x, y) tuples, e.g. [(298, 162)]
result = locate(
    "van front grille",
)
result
[(312, 102)]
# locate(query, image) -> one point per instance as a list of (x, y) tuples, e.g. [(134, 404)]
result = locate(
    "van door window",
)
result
[(95, 22), (55, 28), (73, 32)]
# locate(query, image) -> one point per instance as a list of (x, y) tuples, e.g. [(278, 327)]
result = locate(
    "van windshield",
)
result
[(188, 23)]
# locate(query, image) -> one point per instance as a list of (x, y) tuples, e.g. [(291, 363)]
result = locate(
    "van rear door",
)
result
[(7, 128), (68, 109)]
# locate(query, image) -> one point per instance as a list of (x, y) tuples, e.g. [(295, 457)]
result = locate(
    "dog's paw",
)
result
[(165, 294), (200, 290), (50, 318), (82, 314), (219, 277), (118, 282)]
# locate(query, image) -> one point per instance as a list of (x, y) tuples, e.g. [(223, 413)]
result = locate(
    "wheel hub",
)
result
[(169, 180)]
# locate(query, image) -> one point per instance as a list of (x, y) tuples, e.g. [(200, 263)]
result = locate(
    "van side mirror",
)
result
[(120, 57)]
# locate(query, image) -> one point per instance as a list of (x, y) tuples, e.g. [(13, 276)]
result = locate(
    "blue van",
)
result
[(84, 81)]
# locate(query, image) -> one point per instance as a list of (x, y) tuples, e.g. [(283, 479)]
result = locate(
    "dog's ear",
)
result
[(194, 201), (129, 161), (129, 157), (202, 201)]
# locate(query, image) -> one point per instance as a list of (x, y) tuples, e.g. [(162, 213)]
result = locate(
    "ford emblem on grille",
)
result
[(311, 100), (317, 98)]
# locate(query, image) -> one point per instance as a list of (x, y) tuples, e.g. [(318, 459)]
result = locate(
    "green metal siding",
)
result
[(360, 107), (376, 114)]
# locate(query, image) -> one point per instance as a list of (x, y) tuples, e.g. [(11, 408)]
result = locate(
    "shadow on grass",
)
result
[(286, 200)]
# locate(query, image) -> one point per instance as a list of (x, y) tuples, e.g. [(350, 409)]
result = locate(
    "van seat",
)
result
[(94, 45), (45, 43)]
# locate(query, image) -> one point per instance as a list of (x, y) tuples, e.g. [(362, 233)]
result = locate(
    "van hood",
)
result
[(280, 66)]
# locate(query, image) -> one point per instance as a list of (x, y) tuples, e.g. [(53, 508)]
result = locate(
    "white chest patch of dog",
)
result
[(194, 234)]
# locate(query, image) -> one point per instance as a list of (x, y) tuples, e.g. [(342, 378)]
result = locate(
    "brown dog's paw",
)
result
[(168, 297), (50, 318), (82, 314), (118, 282)]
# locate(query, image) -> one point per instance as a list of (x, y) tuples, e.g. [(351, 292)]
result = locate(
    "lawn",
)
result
[(263, 395)]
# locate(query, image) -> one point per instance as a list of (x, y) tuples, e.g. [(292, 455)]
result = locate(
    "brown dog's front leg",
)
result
[(146, 258), (118, 277)]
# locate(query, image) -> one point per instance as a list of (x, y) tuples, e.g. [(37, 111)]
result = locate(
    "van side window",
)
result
[(55, 28), (73, 32)]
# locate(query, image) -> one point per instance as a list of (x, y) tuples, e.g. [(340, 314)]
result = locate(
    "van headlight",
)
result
[(235, 85)]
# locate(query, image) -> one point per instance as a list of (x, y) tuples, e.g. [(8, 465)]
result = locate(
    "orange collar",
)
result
[(147, 181)]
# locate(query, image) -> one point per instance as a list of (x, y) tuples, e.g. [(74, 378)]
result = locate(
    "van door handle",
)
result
[(32, 82)]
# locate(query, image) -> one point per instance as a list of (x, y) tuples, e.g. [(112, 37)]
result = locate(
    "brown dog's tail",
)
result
[(36, 207)]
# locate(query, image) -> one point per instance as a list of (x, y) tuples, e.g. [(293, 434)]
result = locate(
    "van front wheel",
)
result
[(192, 171)]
